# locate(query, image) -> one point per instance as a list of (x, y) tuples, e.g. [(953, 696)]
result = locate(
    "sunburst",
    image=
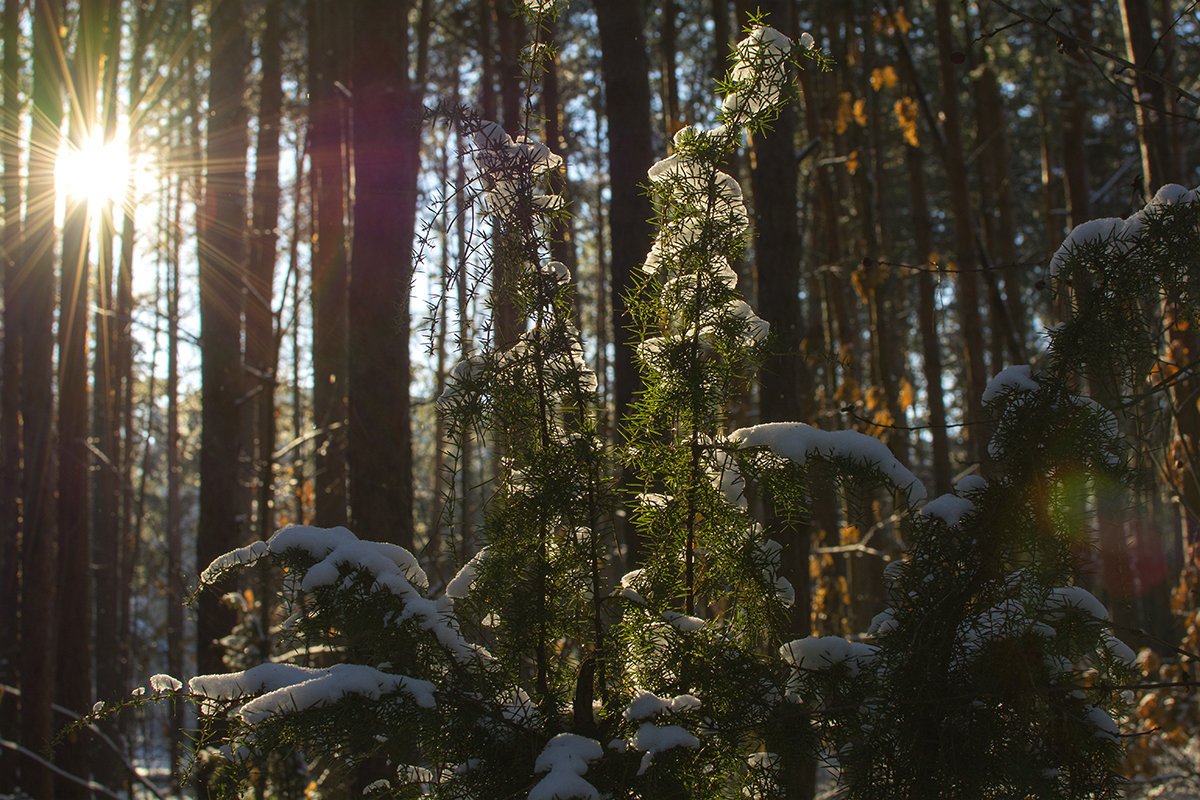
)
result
[(96, 170)]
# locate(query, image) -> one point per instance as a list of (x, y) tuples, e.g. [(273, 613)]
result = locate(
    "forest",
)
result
[(600, 399)]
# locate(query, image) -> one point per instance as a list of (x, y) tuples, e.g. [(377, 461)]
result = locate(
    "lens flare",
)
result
[(96, 170)]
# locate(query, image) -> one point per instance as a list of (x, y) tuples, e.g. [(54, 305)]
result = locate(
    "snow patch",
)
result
[(1077, 597), (565, 760), (798, 442), (460, 585), (647, 705), (287, 688), (234, 558), (653, 739), (1094, 230), (1014, 378), (949, 508), (816, 653), (163, 683)]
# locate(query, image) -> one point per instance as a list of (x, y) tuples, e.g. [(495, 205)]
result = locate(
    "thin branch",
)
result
[(62, 773), (849, 411), (1124, 63)]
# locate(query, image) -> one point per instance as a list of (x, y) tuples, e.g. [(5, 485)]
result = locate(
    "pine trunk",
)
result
[(387, 127), (175, 579), (222, 263), (1142, 49), (969, 317), (261, 350), (35, 304), (10, 382), (785, 390), (931, 348), (625, 66), (506, 323), (327, 176), (73, 672)]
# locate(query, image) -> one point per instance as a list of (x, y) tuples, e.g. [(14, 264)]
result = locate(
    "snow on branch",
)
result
[(799, 442)]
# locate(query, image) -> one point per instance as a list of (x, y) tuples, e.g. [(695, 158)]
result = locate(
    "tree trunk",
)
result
[(387, 118), (73, 671), (108, 385), (486, 14), (1141, 48), (1000, 233), (670, 80), (1051, 201), (785, 391), (326, 64), (722, 38), (10, 382), (506, 322), (175, 579), (1075, 127), (35, 304), (261, 351), (466, 458), (626, 69), (222, 263), (931, 349), (561, 232), (969, 317)]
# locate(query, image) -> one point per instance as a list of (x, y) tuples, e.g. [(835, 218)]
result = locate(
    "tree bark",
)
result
[(261, 351), (326, 62), (561, 230), (1136, 18), (626, 69), (931, 348), (785, 392), (109, 388), (387, 119), (222, 264), (1075, 127), (73, 671), (10, 380), (175, 579), (506, 322), (670, 80), (969, 317), (35, 303)]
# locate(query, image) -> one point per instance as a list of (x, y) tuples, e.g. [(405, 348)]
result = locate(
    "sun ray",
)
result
[(96, 170)]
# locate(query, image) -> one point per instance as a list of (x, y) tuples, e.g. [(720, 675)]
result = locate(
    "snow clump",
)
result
[(565, 760), (287, 688), (759, 74), (798, 442)]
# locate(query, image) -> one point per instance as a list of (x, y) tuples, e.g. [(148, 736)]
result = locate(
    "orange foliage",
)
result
[(906, 116), (849, 110), (884, 78), (891, 23), (906, 394)]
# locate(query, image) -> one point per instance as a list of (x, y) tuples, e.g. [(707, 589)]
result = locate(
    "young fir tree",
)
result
[(990, 675), (537, 674)]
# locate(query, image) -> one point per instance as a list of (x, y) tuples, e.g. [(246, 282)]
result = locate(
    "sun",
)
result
[(96, 171)]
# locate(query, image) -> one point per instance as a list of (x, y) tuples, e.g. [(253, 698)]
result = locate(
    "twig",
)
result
[(849, 411), (89, 784), (1100, 51), (101, 735)]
